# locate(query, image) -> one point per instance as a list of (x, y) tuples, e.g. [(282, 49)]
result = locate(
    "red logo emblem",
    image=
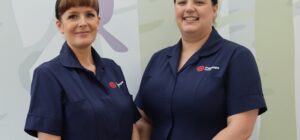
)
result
[(200, 68), (112, 85)]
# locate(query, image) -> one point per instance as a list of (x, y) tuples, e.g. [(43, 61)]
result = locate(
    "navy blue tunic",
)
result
[(219, 80), (72, 102)]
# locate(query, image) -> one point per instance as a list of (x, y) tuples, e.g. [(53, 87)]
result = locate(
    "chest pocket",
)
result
[(117, 117), (210, 93)]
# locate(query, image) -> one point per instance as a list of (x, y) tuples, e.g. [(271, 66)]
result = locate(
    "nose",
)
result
[(190, 7), (82, 22)]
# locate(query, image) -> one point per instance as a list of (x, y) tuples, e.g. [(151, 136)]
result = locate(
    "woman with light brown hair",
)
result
[(79, 95)]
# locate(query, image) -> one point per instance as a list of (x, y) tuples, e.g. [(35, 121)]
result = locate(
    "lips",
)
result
[(191, 18), (82, 33)]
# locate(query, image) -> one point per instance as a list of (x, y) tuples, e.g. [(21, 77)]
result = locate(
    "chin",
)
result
[(82, 44), (190, 30), (85, 42)]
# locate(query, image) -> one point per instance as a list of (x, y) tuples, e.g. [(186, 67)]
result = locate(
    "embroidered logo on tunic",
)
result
[(114, 85), (200, 68), (119, 84), (205, 68)]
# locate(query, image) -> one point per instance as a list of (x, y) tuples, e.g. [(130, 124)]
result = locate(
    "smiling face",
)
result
[(79, 26), (195, 16)]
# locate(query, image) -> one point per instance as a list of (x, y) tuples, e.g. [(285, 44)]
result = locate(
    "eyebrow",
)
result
[(76, 12)]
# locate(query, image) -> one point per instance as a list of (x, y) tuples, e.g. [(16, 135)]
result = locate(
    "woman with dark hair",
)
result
[(78, 95), (202, 88)]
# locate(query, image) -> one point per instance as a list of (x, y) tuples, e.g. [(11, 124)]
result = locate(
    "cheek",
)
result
[(70, 28), (178, 16), (211, 17), (94, 25), (178, 12), (97, 27)]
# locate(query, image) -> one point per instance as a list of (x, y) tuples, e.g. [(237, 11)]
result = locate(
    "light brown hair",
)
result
[(62, 6)]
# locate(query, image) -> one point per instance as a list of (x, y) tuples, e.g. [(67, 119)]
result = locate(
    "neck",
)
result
[(84, 55), (192, 43)]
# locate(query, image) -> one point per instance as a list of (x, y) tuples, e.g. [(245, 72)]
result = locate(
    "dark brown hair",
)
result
[(62, 6)]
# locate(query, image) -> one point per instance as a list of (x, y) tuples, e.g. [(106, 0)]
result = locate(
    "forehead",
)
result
[(72, 3), (80, 9), (192, 0), (206, 1)]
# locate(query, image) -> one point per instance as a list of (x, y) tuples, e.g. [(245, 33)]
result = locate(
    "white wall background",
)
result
[(235, 22)]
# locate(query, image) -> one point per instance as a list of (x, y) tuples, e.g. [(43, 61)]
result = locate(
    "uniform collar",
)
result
[(68, 58), (209, 47)]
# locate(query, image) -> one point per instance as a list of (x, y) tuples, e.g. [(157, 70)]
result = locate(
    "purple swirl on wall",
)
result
[(106, 13)]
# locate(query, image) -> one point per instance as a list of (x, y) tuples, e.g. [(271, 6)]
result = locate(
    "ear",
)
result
[(99, 23), (59, 25), (215, 9)]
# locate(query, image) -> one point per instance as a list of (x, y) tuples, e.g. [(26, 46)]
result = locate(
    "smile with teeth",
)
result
[(191, 18)]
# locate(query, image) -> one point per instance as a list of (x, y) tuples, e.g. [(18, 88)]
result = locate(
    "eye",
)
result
[(90, 15), (181, 2), (72, 17), (199, 2)]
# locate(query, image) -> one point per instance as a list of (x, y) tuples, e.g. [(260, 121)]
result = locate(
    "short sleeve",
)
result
[(243, 84), (45, 111)]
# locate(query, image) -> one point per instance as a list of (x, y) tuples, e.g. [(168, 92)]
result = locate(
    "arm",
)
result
[(239, 126), (135, 133), (46, 100), (45, 136), (144, 126)]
